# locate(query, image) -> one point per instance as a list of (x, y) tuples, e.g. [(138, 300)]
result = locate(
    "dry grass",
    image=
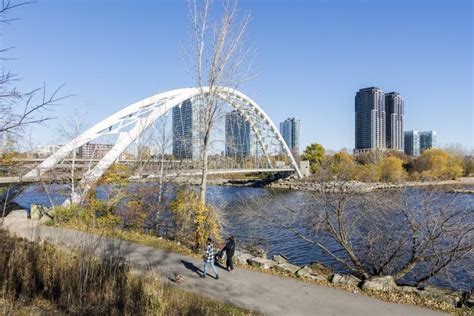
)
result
[(162, 243), (39, 279), (133, 236)]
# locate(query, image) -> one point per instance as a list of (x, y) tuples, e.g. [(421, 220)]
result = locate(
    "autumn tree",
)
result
[(438, 164), (468, 166), (391, 169), (314, 153), (341, 163), (194, 218), (367, 172)]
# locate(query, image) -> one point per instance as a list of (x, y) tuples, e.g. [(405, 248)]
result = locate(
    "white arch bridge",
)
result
[(129, 123)]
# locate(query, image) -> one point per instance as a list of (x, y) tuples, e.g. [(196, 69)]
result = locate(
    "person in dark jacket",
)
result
[(229, 249)]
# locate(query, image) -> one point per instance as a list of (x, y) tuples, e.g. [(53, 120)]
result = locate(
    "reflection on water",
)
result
[(276, 240)]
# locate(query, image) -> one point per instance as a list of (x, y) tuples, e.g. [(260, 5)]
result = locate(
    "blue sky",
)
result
[(312, 57)]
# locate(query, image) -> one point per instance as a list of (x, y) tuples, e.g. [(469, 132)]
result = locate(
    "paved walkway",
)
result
[(266, 293)]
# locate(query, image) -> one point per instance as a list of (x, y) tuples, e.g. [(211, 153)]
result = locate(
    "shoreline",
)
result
[(328, 187), (364, 187)]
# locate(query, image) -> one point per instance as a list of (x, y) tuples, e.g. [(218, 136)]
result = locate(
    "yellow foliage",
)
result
[(438, 164), (116, 174), (367, 173), (341, 164), (193, 216), (391, 169)]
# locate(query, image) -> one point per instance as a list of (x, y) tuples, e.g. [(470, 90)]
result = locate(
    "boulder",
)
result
[(304, 271), (35, 212), (382, 284), (321, 269), (280, 259), (242, 257), (20, 214), (441, 295), (316, 277), (345, 279), (262, 263), (286, 267)]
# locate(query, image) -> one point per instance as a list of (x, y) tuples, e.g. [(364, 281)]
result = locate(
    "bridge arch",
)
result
[(130, 122)]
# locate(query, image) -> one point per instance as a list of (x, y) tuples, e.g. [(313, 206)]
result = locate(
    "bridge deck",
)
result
[(4, 181)]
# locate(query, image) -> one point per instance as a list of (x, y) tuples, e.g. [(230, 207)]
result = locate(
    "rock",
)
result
[(303, 271), (286, 267), (35, 212), (321, 269), (345, 279), (280, 259), (408, 289), (262, 263), (316, 277), (382, 284), (441, 295), (242, 257), (21, 214), (48, 211)]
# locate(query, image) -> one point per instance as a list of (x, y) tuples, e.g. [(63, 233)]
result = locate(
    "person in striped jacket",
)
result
[(209, 259)]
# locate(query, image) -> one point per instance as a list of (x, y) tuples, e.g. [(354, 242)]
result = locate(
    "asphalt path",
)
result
[(257, 291)]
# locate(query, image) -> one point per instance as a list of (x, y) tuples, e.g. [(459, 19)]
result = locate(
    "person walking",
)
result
[(209, 259), (229, 249)]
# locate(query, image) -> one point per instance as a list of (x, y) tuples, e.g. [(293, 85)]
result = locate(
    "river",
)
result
[(277, 240)]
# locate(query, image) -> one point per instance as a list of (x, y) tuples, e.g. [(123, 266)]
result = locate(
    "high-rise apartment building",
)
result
[(188, 130), (427, 140), (369, 119), (290, 130), (412, 143), (239, 137), (394, 137)]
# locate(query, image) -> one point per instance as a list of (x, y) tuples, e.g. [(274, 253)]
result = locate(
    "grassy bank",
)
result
[(162, 243), (38, 279)]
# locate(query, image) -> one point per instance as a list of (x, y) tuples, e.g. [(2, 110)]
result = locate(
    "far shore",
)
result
[(357, 186), (455, 186)]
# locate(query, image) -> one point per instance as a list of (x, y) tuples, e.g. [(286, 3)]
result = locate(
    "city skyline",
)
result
[(319, 90)]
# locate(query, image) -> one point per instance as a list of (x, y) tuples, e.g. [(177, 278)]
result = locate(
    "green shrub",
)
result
[(63, 214)]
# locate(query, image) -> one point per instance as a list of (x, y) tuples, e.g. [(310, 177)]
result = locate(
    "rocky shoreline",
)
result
[(382, 284), (363, 187)]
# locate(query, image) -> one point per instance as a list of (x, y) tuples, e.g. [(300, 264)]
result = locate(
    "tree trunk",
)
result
[(205, 169)]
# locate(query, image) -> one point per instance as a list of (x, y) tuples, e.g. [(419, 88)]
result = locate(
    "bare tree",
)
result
[(69, 131), (414, 234), (218, 57), (21, 109)]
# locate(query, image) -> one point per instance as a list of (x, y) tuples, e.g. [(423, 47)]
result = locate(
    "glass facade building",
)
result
[(369, 119), (427, 140), (290, 131), (394, 137), (188, 131), (412, 143), (239, 137)]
